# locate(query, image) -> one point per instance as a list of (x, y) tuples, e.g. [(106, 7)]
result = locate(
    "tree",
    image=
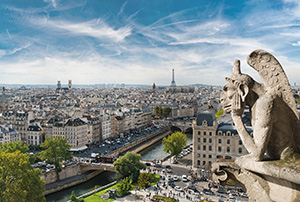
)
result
[(124, 186), (166, 111), (156, 111), (145, 179), (129, 165), (14, 146), (73, 198), (56, 151), (174, 143), (18, 181)]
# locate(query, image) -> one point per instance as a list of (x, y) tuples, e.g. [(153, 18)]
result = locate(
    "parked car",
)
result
[(170, 178), (175, 177), (178, 188), (184, 178), (171, 184)]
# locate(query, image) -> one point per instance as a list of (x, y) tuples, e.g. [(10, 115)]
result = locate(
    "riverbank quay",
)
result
[(74, 174), (69, 182), (142, 143)]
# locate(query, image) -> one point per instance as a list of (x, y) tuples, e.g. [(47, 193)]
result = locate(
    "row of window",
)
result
[(203, 163), (219, 141), (204, 133), (219, 149)]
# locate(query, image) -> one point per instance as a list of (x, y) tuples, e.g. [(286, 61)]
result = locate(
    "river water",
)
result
[(153, 152)]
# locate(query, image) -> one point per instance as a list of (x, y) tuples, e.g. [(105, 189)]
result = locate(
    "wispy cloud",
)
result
[(8, 34), (94, 28)]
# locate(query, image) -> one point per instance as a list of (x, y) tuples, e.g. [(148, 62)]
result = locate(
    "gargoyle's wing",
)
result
[(274, 78)]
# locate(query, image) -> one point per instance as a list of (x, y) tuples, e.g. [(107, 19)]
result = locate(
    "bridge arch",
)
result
[(175, 129), (189, 130)]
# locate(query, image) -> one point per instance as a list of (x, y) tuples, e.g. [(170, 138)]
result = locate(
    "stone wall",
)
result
[(67, 172), (72, 183)]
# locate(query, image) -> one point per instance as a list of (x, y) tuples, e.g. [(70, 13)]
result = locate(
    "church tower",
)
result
[(70, 84)]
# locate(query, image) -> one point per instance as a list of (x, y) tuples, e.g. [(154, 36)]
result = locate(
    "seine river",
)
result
[(153, 152)]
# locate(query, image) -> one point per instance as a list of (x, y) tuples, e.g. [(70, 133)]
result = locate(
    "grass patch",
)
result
[(165, 199), (95, 197)]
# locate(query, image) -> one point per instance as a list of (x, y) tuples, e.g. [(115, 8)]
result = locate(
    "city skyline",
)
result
[(140, 42)]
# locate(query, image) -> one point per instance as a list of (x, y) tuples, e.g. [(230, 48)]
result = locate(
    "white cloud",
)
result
[(94, 28), (296, 44)]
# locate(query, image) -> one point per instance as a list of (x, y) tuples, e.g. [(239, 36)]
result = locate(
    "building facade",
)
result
[(35, 135), (213, 141)]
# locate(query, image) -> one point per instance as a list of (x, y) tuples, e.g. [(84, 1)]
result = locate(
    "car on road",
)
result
[(175, 177), (178, 188), (184, 178), (174, 162), (171, 184), (168, 166), (170, 178), (163, 171), (208, 192), (148, 164), (169, 170)]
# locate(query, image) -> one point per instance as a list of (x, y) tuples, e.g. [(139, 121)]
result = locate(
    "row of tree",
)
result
[(162, 112)]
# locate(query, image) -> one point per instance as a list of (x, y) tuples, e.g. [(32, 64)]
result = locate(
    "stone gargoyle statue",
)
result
[(274, 116)]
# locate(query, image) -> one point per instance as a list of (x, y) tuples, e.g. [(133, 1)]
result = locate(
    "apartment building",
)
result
[(213, 141)]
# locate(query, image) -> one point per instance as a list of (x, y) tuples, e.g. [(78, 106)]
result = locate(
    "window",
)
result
[(210, 140), (204, 163), (204, 147), (198, 162), (210, 133), (220, 133), (209, 156), (204, 133), (198, 147), (198, 155), (220, 141), (228, 149), (204, 140), (240, 150), (198, 139), (219, 149), (209, 148), (240, 142), (228, 141), (199, 133)]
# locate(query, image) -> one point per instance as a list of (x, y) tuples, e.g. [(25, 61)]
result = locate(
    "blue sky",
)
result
[(141, 41)]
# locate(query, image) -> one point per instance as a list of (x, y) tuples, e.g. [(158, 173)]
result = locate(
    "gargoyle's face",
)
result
[(230, 98)]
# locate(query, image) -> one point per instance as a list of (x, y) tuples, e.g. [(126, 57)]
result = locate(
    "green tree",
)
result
[(129, 165), (73, 198), (56, 151), (160, 111), (145, 179), (156, 111), (166, 111), (124, 186), (18, 181), (219, 113), (174, 143), (14, 146)]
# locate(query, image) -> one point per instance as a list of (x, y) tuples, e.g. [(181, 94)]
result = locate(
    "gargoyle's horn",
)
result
[(236, 67)]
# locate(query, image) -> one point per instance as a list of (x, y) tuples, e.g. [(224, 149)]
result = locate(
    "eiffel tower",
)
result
[(173, 84)]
